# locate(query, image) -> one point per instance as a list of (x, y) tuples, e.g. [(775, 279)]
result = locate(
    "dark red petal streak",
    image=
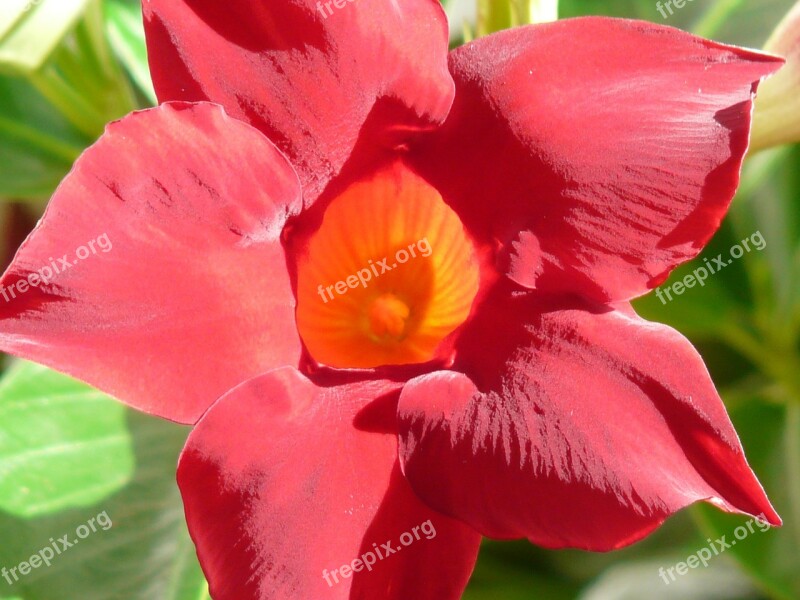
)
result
[(283, 481), (579, 429), (313, 83), (600, 153), (193, 296)]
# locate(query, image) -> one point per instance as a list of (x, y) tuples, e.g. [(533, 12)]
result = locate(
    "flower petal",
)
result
[(600, 153), (186, 292), (313, 77), (776, 119), (574, 428), (284, 482)]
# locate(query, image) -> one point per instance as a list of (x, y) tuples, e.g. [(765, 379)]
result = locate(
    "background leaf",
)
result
[(50, 114), (146, 554), (126, 34), (31, 29), (771, 436), (37, 144), (62, 444)]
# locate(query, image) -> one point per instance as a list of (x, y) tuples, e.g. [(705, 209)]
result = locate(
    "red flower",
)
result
[(554, 172)]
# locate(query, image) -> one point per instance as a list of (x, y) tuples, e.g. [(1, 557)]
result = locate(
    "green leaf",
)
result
[(13, 12), (771, 437), (146, 554), (62, 444), (82, 79), (126, 35), (50, 116), (37, 144), (31, 29)]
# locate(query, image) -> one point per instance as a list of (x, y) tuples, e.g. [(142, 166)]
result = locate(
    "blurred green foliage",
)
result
[(53, 107), (68, 67), (86, 454)]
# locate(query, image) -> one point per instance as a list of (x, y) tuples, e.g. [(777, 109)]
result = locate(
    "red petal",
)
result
[(601, 153), (312, 83), (576, 429), (193, 296), (284, 482)]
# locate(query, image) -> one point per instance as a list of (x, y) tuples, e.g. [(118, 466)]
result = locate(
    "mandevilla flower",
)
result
[(392, 286), (777, 115)]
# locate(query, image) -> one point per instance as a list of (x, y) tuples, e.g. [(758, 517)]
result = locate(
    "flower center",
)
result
[(387, 317), (387, 276)]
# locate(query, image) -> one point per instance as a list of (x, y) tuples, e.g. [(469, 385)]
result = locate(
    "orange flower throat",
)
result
[(387, 276)]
